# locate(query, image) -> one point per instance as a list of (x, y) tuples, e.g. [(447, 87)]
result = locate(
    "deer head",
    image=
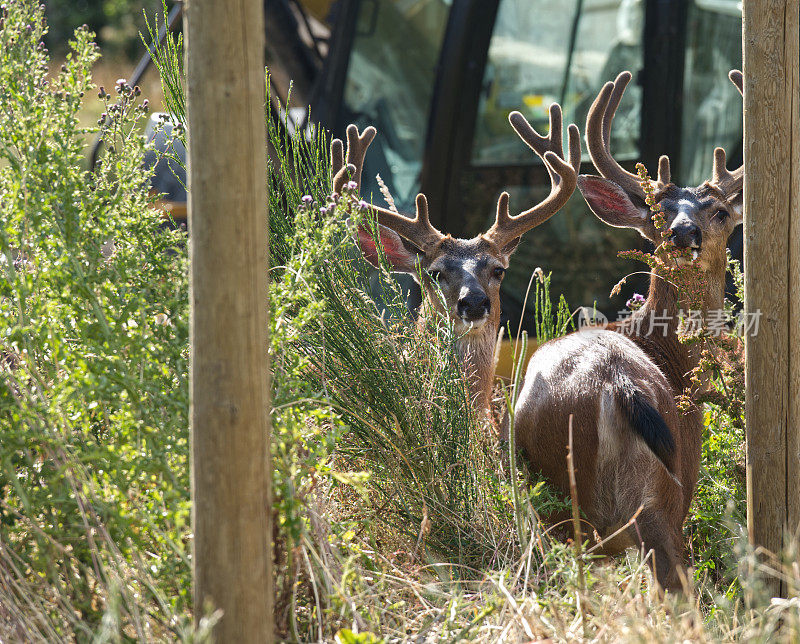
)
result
[(468, 271), (699, 218)]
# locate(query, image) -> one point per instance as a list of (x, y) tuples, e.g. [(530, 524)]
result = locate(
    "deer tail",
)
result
[(647, 422)]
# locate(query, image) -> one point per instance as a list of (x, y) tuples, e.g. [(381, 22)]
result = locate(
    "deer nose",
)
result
[(686, 235), (473, 306)]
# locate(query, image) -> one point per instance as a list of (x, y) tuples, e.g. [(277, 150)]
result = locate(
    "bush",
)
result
[(93, 310)]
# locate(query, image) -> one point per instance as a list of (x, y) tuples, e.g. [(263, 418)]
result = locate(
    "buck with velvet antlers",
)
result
[(633, 447), (468, 271)]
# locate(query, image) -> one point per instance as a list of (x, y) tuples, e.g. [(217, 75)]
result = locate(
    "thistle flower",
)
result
[(636, 302), (351, 185), (307, 199)]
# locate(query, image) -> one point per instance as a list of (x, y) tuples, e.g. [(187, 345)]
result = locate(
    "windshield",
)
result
[(389, 84), (544, 52)]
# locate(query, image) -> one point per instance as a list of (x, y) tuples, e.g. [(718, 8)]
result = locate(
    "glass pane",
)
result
[(531, 65), (580, 250), (712, 107), (390, 84)]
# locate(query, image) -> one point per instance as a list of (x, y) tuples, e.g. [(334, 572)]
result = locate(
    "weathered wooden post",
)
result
[(772, 270), (229, 370)]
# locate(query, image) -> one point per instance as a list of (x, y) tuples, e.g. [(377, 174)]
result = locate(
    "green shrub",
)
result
[(93, 312)]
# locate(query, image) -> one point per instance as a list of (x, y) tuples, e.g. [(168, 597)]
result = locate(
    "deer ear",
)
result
[(737, 203), (401, 254), (510, 247), (612, 204)]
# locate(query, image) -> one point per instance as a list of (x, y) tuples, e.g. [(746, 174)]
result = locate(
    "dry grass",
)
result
[(361, 586)]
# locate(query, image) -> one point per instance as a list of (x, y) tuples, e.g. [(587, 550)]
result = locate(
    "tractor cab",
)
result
[(438, 79)]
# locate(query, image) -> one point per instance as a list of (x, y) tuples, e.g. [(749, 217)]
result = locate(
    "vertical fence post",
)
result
[(772, 270), (229, 372)]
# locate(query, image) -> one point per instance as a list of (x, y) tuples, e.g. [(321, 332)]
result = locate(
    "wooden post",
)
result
[(772, 270), (229, 369)]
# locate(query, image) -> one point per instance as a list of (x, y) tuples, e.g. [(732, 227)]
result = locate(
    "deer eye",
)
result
[(499, 272), (722, 214)]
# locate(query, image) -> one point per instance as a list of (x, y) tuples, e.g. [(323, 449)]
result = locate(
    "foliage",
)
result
[(168, 59), (389, 396), (397, 514), (687, 277), (718, 510), (93, 310), (549, 325)]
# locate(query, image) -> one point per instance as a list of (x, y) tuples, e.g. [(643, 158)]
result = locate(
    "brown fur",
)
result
[(579, 374), (475, 346)]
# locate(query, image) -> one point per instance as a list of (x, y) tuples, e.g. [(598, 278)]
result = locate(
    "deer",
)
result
[(633, 448), (467, 272)]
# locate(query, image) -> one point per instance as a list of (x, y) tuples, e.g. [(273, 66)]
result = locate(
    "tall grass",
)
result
[(399, 395), (396, 509)]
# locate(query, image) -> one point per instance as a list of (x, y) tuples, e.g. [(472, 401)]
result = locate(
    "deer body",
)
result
[(633, 447), (613, 390)]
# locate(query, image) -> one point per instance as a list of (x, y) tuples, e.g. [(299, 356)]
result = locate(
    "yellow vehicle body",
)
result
[(505, 358)]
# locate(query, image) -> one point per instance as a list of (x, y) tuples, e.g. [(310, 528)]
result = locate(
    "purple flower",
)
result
[(363, 205), (307, 199), (323, 211), (351, 185), (636, 302)]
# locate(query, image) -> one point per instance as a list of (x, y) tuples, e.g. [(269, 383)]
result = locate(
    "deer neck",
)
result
[(476, 355), (476, 351), (655, 326)]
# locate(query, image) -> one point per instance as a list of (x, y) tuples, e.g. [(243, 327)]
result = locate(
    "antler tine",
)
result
[(664, 174), (535, 141), (337, 156), (357, 145), (574, 147), (563, 175), (418, 230), (598, 135), (737, 78), (726, 181)]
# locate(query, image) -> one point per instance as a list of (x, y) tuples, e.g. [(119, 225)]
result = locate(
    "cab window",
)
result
[(543, 52), (389, 84), (712, 107)]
